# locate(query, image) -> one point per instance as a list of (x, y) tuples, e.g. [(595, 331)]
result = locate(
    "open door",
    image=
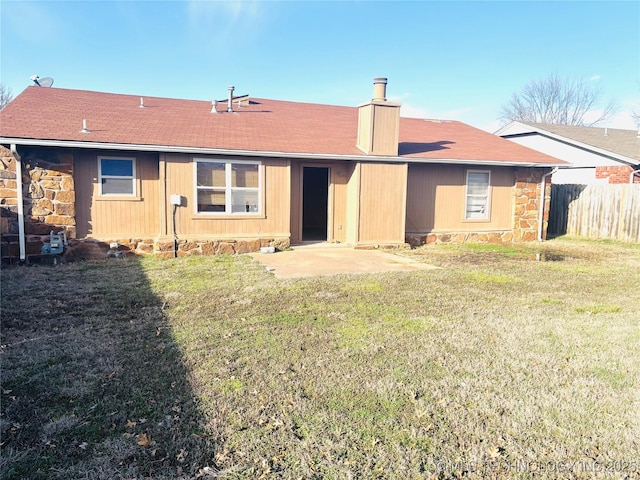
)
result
[(315, 204)]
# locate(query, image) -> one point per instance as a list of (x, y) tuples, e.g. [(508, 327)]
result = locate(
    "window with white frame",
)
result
[(117, 176), (228, 187), (478, 189)]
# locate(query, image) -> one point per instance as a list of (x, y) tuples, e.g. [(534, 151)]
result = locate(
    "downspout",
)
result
[(21, 241), (543, 184), (633, 173)]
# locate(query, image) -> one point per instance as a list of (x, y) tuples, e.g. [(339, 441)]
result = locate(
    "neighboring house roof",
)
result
[(54, 116), (615, 143)]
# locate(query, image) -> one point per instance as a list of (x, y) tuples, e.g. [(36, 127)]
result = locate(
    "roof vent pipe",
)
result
[(606, 132), (141, 102), (84, 126), (379, 89), (214, 106), (230, 106)]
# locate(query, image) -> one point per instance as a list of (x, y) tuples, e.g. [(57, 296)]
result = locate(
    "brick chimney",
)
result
[(379, 123)]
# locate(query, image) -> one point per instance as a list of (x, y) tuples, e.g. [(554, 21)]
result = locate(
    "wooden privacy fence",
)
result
[(596, 211)]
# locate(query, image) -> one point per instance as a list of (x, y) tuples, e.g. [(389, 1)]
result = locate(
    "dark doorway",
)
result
[(315, 198)]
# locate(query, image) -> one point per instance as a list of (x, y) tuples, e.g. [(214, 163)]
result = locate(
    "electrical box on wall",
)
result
[(176, 200)]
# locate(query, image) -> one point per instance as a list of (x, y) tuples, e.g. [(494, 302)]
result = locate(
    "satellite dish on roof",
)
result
[(41, 82)]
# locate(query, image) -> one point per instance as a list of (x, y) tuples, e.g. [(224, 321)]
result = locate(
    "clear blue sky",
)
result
[(454, 60)]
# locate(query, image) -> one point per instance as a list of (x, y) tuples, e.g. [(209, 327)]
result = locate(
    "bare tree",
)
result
[(5, 96), (565, 101), (635, 114), (635, 111)]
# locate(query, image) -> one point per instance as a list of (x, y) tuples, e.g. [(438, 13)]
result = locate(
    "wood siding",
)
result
[(352, 205), (436, 199), (369, 202), (111, 217), (272, 221), (149, 213), (385, 129), (382, 202), (340, 176), (378, 128)]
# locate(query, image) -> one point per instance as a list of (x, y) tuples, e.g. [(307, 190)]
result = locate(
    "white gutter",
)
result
[(260, 153), (543, 184), (14, 151)]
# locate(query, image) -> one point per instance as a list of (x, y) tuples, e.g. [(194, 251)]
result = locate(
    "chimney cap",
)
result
[(379, 89)]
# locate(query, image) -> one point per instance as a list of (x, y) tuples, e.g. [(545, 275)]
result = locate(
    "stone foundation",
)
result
[(165, 248), (488, 237), (92, 249)]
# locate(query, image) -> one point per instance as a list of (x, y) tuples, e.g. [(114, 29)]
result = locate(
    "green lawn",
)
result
[(497, 365)]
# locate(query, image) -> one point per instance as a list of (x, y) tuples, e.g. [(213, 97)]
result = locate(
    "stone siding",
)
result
[(8, 205), (48, 198), (526, 210)]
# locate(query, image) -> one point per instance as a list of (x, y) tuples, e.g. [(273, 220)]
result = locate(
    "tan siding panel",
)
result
[(382, 205), (276, 203), (365, 127), (296, 203), (353, 204), (116, 218), (340, 173), (385, 138), (436, 199)]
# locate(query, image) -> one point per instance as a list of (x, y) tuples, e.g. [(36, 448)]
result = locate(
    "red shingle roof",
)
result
[(263, 126)]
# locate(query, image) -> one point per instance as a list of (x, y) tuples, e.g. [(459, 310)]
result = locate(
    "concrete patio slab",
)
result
[(328, 259)]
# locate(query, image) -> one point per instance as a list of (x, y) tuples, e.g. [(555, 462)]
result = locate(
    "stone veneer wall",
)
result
[(526, 212), (93, 249), (217, 247), (525, 215), (48, 198), (8, 205)]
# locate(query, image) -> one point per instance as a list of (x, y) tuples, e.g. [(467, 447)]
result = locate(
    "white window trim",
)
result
[(487, 209), (227, 188), (133, 177)]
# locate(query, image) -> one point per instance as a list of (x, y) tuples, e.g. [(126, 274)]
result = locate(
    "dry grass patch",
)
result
[(495, 366)]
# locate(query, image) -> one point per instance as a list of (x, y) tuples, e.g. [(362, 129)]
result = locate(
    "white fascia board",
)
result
[(468, 161), (516, 126), (256, 153), (178, 149), (568, 141)]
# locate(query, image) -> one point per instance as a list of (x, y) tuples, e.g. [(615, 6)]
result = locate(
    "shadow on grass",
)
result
[(93, 384)]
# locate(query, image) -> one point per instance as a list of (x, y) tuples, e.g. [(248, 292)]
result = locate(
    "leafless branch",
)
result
[(567, 101), (5, 96)]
